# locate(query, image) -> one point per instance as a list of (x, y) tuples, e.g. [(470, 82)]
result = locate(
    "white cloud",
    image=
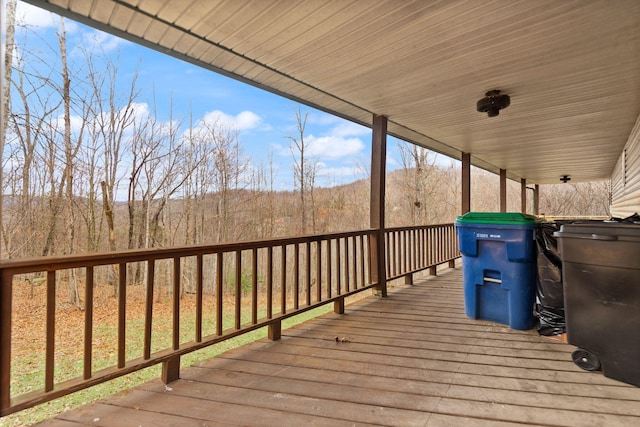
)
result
[(324, 119), (334, 147), (76, 123), (243, 121), (280, 150), (33, 16), (350, 129), (140, 111), (98, 41)]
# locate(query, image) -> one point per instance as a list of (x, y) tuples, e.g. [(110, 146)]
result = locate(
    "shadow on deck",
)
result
[(413, 358)]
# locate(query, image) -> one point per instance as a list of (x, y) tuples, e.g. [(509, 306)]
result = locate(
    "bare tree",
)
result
[(5, 85), (227, 166), (580, 199), (418, 168), (31, 119), (305, 169), (112, 123)]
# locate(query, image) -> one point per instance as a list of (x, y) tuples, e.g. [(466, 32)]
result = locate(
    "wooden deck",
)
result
[(412, 359)]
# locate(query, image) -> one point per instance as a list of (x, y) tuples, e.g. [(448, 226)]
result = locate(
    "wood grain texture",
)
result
[(412, 358)]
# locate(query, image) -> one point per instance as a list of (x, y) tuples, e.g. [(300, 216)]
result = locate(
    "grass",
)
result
[(29, 369)]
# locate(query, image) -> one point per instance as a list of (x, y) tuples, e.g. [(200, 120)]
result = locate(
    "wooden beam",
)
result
[(376, 208), (466, 183), (523, 196), (503, 190)]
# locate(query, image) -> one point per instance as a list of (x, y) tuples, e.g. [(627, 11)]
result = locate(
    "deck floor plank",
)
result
[(413, 358)]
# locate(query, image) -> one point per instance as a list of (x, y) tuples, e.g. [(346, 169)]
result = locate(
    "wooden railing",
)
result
[(413, 249), (232, 288)]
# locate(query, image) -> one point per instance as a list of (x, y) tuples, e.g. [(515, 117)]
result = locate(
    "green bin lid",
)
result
[(505, 218)]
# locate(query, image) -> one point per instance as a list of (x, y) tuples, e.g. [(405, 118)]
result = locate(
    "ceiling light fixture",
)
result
[(493, 102)]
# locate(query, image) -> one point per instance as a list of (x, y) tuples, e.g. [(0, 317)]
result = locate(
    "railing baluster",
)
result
[(442, 246), (329, 284), (219, 290), (397, 261), (254, 286), (347, 265), (238, 287), (338, 267), (122, 313), (370, 237), (296, 276), (354, 258), (148, 314), (416, 247), (51, 331), (431, 246), (283, 279), (423, 240), (388, 239), (6, 305), (400, 244), (318, 273), (199, 292), (88, 323), (308, 273), (362, 266), (176, 302), (270, 282)]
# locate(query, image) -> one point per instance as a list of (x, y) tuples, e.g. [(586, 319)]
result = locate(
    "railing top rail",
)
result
[(419, 227), (136, 255)]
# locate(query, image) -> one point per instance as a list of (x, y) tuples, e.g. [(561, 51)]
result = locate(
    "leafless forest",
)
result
[(85, 170)]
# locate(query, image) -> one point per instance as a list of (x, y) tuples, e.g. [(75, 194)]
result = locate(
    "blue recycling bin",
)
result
[(498, 266)]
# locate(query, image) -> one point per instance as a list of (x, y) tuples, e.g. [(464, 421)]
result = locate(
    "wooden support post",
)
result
[(274, 330), (452, 263), (523, 196), (408, 279), (536, 200), (466, 183), (376, 210), (338, 306), (171, 370), (433, 271), (503, 190)]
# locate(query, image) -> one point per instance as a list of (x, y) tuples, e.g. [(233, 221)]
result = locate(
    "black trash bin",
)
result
[(601, 276)]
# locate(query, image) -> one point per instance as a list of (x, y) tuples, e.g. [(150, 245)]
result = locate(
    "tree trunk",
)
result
[(10, 26)]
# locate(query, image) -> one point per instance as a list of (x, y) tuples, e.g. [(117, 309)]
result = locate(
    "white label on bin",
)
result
[(487, 235)]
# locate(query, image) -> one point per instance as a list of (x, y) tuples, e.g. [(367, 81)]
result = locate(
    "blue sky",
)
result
[(341, 149)]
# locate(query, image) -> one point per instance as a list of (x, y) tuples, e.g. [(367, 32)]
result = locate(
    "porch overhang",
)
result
[(571, 68)]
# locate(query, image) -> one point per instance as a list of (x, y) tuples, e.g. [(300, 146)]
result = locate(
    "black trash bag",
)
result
[(632, 219), (549, 309), (549, 289), (551, 321)]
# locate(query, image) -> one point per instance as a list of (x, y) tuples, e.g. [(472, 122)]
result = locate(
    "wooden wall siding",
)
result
[(625, 180)]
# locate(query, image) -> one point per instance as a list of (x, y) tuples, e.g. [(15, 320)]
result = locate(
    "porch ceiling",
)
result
[(572, 68)]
